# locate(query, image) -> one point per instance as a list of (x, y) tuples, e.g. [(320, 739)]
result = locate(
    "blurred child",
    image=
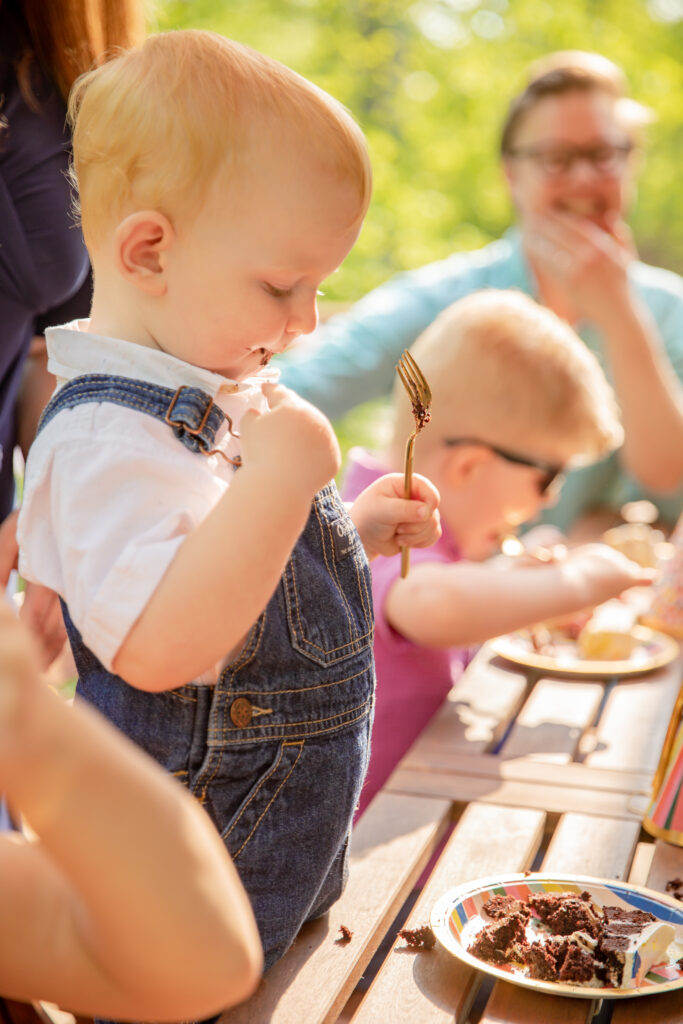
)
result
[(517, 398), (126, 902), (221, 617)]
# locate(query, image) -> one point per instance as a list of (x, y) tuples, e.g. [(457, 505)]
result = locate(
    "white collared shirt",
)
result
[(110, 493)]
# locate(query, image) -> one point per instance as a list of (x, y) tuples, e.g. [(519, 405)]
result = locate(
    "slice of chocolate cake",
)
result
[(568, 938), (499, 942), (631, 942), (565, 913)]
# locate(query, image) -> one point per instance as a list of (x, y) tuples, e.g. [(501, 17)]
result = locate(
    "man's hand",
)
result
[(586, 262), (387, 522), (40, 608)]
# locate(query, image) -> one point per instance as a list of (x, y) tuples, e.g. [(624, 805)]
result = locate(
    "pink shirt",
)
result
[(412, 681)]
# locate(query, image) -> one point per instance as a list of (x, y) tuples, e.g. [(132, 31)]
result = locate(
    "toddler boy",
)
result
[(220, 616), (517, 398)]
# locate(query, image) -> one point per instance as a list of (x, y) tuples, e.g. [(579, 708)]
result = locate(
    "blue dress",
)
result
[(44, 268)]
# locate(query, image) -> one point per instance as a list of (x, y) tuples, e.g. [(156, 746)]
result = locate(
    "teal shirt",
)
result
[(353, 356)]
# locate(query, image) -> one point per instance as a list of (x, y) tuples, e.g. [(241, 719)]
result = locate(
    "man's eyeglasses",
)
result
[(552, 474), (558, 161)]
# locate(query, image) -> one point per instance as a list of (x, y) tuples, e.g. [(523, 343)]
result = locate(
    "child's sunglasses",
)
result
[(552, 474)]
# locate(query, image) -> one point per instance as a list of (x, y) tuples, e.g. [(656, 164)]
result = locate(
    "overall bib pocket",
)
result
[(329, 616)]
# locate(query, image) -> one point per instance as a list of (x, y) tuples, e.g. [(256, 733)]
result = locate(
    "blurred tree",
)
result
[(429, 82)]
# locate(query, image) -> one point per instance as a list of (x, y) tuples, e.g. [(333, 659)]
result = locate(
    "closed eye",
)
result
[(277, 293)]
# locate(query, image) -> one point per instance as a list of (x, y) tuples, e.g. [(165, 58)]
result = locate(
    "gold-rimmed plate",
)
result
[(652, 650), (458, 916)]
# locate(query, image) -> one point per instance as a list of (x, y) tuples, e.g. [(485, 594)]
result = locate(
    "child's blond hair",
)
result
[(509, 372), (154, 127)]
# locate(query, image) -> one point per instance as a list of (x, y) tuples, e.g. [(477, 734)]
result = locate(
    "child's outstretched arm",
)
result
[(453, 605), (387, 522), (126, 904), (228, 567)]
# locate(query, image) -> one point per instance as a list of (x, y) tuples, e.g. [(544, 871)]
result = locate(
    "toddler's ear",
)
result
[(141, 240), (463, 462)]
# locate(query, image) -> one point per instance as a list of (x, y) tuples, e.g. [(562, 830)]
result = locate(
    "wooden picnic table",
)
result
[(516, 772)]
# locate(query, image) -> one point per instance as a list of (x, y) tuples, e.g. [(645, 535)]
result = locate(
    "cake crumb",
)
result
[(419, 938), (674, 883), (346, 935)]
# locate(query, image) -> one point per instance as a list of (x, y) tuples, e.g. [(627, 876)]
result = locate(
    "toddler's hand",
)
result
[(387, 522), (292, 441), (603, 573)]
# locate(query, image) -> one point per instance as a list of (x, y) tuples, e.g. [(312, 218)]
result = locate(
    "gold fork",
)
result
[(420, 395)]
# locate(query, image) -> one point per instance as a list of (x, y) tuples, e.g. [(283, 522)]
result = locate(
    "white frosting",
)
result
[(645, 950)]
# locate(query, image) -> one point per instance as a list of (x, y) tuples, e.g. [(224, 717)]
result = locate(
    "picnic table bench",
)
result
[(516, 772)]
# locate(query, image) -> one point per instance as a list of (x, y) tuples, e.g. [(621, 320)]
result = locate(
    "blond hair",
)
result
[(573, 71), (507, 371), (155, 126)]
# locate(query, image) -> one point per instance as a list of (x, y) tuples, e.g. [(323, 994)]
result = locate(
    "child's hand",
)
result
[(387, 522), (40, 609), (603, 573), (18, 679), (293, 440)]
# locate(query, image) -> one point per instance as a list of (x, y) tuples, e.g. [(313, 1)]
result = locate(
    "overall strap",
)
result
[(190, 412)]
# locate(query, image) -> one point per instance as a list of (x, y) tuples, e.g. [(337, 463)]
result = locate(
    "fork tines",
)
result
[(418, 389)]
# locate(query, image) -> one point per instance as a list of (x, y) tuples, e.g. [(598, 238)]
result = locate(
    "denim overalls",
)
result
[(276, 751)]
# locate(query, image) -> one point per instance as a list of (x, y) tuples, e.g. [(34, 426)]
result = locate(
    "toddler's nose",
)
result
[(303, 315)]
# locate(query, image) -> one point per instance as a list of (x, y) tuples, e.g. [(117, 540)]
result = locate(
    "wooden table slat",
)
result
[(513, 793), (588, 845), (633, 724), (310, 985), (550, 725), (479, 708), (511, 1004), (428, 759), (432, 987)]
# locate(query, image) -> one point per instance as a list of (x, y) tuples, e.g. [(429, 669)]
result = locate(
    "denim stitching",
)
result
[(316, 732), (308, 721), (272, 799), (261, 783), (353, 644), (301, 689), (324, 523), (188, 698), (117, 391)]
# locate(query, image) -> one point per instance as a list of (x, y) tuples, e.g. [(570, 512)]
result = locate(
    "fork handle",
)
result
[(407, 493)]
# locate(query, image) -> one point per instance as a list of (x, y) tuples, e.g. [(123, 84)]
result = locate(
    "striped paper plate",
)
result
[(458, 916)]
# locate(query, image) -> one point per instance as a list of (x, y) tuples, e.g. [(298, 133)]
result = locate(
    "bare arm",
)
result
[(127, 904), (650, 396), (227, 569), (586, 269), (440, 605)]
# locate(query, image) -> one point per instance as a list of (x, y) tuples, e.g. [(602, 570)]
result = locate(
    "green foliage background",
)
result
[(429, 82)]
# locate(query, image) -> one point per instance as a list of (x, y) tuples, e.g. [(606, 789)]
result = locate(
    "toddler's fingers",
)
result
[(644, 577), (274, 393), (420, 535), (424, 490)]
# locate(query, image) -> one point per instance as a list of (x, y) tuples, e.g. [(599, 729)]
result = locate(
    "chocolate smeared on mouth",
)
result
[(266, 357)]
